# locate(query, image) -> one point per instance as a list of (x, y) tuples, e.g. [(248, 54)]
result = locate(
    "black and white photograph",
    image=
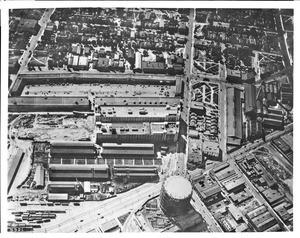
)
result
[(148, 119)]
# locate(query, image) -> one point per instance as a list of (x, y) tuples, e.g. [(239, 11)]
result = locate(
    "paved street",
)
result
[(223, 118), (79, 219), (27, 54), (202, 209)]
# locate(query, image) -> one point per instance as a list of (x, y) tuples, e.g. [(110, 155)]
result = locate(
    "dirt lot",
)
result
[(53, 127)]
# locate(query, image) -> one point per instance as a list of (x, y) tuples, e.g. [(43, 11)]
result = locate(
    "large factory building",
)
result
[(73, 149), (48, 104), (142, 109), (16, 161), (76, 172), (131, 161), (234, 114), (137, 120), (127, 151), (72, 152), (135, 173)]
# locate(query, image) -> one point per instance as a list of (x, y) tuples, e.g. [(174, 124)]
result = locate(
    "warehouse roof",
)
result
[(136, 101), (58, 196), (133, 174), (207, 192), (220, 167), (39, 176), (135, 168), (75, 167), (257, 211), (62, 185), (261, 218), (234, 113), (234, 184), (130, 128), (250, 97), (226, 173), (16, 160), (74, 175), (139, 111), (212, 190), (132, 152), (127, 145), (72, 151), (272, 195), (72, 143), (43, 101)]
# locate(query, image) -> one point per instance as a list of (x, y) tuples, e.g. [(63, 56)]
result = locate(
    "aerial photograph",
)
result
[(150, 120)]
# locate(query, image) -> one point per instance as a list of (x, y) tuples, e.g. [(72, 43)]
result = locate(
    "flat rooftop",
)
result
[(127, 128), (137, 101), (127, 145), (139, 111), (53, 101), (72, 144), (160, 79), (101, 90), (127, 152), (140, 128)]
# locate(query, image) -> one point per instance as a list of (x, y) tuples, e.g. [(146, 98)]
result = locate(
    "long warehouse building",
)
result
[(126, 150), (83, 78), (72, 149), (135, 172), (79, 172), (48, 104), (14, 167), (234, 113)]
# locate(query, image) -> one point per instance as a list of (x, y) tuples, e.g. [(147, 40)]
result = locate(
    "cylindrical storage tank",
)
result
[(175, 195)]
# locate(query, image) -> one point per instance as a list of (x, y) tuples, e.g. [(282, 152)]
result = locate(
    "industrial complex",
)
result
[(153, 120)]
